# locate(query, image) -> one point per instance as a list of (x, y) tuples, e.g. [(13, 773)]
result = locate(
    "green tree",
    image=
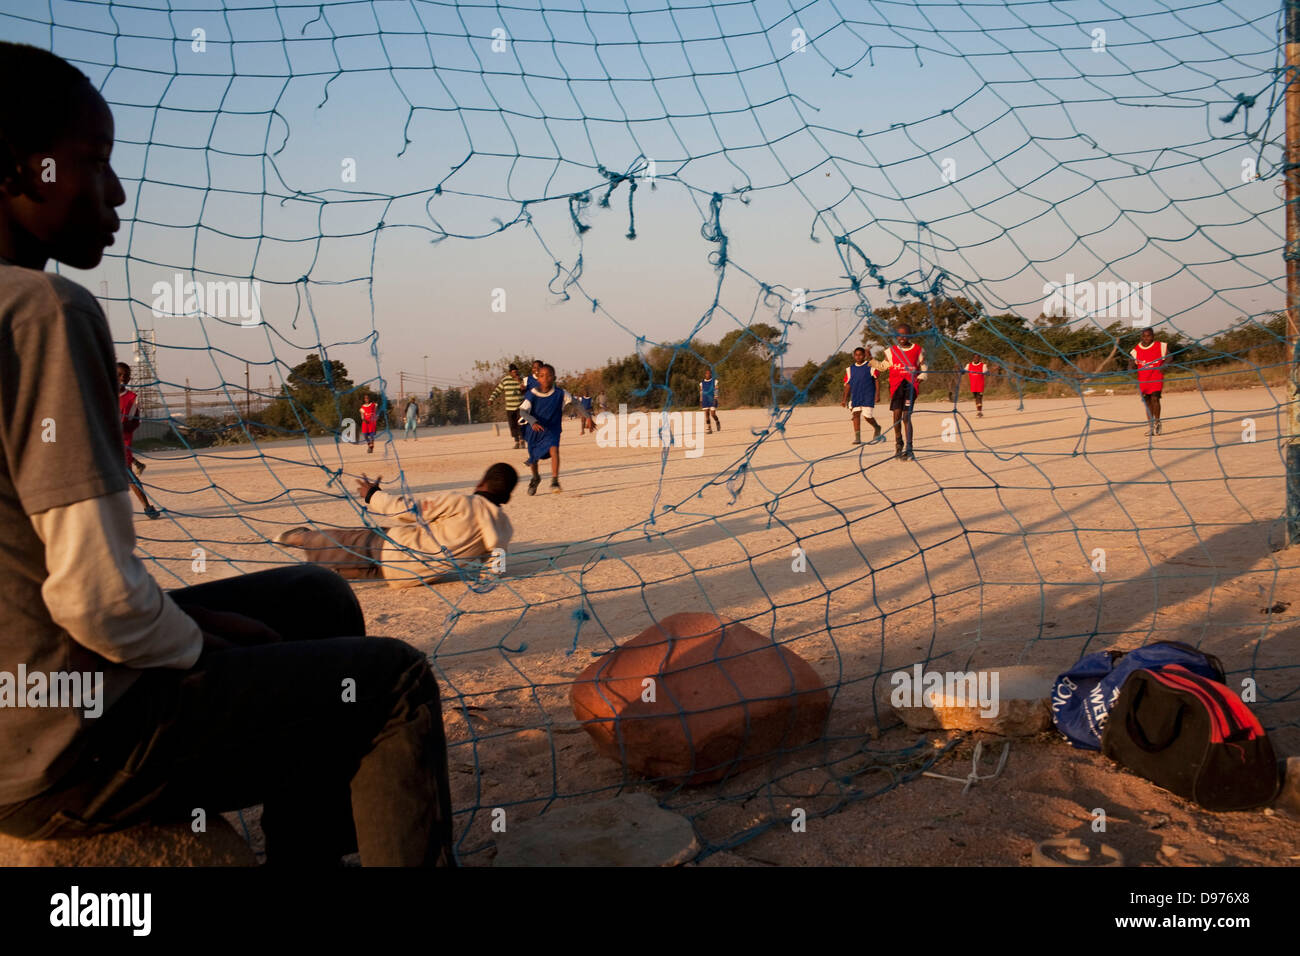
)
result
[(309, 400)]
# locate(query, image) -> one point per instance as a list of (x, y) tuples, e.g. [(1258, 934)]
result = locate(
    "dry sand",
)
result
[(980, 553)]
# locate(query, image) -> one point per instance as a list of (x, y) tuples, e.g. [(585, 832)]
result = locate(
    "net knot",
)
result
[(1242, 101)]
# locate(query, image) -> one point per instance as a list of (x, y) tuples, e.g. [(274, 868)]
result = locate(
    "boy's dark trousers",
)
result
[(350, 552), (339, 735), (516, 430)]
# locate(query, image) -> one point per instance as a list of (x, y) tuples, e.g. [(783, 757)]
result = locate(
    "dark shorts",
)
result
[(903, 398), (1155, 394), (977, 395)]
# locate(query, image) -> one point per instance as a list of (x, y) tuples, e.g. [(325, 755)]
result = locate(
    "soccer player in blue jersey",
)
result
[(860, 395), (709, 401), (542, 412)]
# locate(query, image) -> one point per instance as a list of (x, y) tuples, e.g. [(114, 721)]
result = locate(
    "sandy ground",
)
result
[(980, 553)]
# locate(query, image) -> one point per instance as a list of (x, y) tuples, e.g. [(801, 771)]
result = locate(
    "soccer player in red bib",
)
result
[(129, 408), (1149, 356), (369, 421), (906, 373), (977, 369)]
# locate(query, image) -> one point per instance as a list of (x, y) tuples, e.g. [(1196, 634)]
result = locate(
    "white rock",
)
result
[(1022, 698)]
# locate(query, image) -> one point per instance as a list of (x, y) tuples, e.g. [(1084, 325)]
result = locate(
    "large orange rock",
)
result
[(724, 698)]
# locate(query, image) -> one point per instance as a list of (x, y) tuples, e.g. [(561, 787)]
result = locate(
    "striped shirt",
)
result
[(512, 389)]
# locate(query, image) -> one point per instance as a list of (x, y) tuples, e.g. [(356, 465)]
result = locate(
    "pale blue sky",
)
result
[(1109, 163)]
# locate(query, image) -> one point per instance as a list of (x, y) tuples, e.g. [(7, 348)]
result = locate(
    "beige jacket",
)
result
[(429, 530)]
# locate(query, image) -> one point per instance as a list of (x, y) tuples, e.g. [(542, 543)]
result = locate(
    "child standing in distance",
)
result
[(977, 368), (412, 414), (128, 405), (587, 422), (709, 401), (511, 389), (129, 408), (1150, 356), (860, 395), (906, 373), (369, 421), (542, 411)]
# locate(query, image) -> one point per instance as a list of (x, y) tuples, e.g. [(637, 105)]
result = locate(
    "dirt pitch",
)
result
[(980, 553)]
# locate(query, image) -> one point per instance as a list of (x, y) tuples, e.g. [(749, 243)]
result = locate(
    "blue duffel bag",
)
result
[(1083, 696)]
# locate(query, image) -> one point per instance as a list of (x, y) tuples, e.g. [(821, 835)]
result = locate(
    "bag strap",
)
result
[(1237, 719)]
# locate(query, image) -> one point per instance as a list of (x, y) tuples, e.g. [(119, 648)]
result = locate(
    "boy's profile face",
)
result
[(70, 218), (123, 375)]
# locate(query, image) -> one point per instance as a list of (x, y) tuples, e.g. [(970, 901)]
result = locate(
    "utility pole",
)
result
[(189, 410), (468, 417), (248, 394), (1292, 256), (401, 384)]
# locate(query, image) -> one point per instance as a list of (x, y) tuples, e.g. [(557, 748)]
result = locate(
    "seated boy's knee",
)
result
[(394, 655), (401, 664), (322, 587)]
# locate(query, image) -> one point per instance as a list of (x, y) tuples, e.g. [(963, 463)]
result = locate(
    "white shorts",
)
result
[(869, 409)]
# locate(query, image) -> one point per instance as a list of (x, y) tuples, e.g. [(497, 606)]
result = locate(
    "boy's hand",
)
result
[(213, 645), (538, 428), (364, 486), (230, 629)]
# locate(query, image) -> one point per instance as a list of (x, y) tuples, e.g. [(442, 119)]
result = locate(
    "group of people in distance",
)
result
[(534, 408), (369, 411), (907, 370)]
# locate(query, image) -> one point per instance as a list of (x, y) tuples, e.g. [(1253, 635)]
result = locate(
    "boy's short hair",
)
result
[(31, 124), (498, 482), (904, 328), (513, 367), (859, 349), (549, 368), (123, 367)]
